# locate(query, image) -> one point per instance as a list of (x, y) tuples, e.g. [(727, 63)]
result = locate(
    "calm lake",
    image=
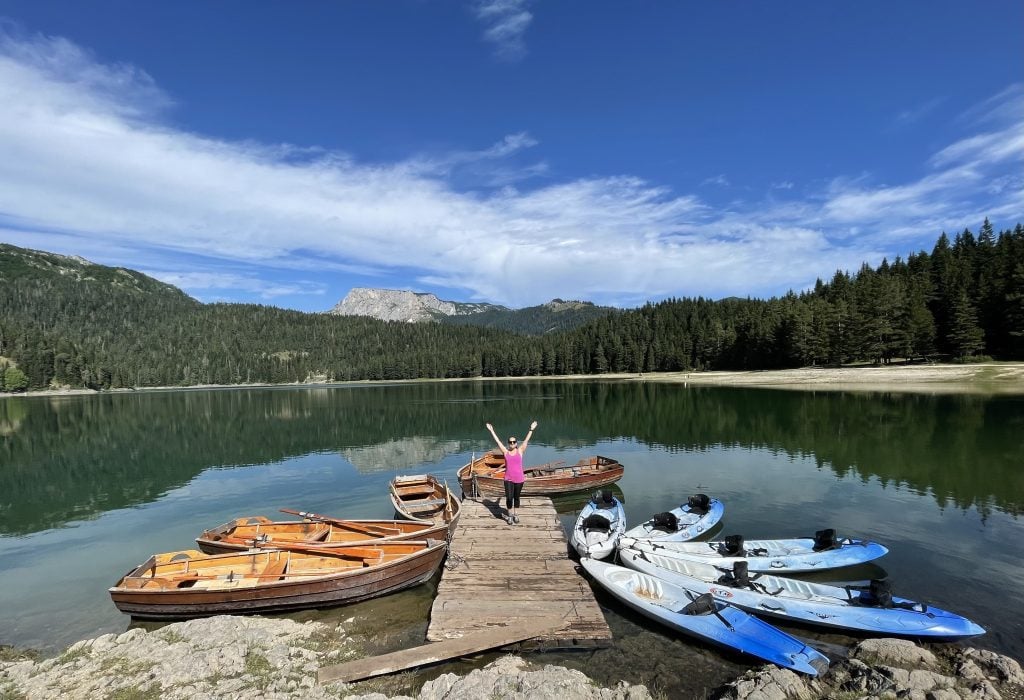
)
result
[(92, 485)]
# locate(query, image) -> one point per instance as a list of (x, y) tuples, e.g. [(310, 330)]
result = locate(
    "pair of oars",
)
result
[(376, 530)]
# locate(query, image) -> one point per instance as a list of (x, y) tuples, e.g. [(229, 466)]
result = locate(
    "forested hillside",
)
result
[(556, 315), (66, 322)]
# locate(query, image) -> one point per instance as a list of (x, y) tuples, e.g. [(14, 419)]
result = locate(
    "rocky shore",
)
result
[(277, 659)]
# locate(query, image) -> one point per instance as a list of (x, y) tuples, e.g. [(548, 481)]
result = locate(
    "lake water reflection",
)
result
[(91, 485)]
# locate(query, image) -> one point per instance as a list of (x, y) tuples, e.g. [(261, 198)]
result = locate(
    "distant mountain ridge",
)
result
[(419, 307), (401, 305), (25, 263)]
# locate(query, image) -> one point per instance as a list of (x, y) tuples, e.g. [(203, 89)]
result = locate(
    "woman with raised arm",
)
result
[(514, 476)]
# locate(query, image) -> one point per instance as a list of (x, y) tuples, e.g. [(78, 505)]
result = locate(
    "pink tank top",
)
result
[(514, 468)]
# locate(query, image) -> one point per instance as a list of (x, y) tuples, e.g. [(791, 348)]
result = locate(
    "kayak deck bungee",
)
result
[(691, 519), (705, 618), (851, 607), (797, 555)]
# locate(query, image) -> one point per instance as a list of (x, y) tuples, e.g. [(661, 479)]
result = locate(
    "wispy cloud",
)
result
[(202, 283), (86, 156), (505, 23), (720, 180), (913, 115)]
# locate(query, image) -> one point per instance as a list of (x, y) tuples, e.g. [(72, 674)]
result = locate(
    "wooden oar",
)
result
[(347, 524), (350, 552)]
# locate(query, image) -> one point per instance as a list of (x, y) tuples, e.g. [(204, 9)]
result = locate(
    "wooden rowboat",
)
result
[(484, 476), (314, 531), (188, 584), (423, 498)]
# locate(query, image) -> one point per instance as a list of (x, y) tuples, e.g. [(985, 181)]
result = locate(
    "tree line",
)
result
[(108, 328)]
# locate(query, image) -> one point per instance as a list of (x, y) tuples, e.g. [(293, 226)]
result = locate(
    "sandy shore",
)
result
[(985, 378)]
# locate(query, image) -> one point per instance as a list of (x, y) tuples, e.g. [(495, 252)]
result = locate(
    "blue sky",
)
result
[(508, 151)]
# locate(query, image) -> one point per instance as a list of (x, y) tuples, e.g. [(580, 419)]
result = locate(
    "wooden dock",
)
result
[(498, 574)]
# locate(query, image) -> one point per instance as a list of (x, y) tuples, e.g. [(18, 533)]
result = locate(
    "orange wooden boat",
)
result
[(484, 476), (422, 497), (314, 531), (188, 584)]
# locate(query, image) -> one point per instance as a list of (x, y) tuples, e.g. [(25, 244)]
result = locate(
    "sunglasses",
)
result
[(511, 442)]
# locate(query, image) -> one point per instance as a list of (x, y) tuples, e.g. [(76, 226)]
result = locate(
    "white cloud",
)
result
[(505, 23), (222, 281), (85, 156), (913, 115), (720, 180)]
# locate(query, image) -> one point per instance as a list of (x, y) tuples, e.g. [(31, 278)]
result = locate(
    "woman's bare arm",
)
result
[(496, 440)]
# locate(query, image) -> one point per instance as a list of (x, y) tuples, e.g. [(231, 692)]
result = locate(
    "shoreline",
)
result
[(988, 378), (259, 657)]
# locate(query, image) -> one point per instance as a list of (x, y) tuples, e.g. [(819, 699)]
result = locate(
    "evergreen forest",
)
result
[(67, 322)]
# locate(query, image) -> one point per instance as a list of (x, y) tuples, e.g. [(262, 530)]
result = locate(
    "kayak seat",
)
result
[(824, 540), (698, 504), (732, 546), (666, 522), (596, 522), (701, 605)]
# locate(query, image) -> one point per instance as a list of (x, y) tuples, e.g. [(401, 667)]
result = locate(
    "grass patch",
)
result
[(154, 692), (171, 636), (72, 655), (124, 667), (257, 666), (9, 653), (8, 692), (324, 641), (395, 684)]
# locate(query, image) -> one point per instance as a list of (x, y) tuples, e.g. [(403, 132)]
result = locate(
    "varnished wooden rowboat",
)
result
[(314, 531), (484, 476), (423, 498), (188, 584)]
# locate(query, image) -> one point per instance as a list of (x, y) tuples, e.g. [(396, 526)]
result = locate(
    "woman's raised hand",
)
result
[(533, 425)]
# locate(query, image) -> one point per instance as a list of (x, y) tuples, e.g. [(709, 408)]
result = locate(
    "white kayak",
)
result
[(818, 553), (865, 608), (691, 519), (599, 526), (705, 618)]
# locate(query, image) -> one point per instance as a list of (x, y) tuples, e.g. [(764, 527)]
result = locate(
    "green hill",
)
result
[(68, 322)]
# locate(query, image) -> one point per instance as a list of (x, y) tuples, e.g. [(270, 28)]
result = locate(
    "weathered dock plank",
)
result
[(415, 657), (501, 575)]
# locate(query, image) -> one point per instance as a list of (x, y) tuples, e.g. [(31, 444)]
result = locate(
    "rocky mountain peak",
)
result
[(401, 305)]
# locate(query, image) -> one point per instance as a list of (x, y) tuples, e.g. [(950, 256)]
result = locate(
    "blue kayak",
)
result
[(863, 608), (691, 519), (705, 618), (777, 556)]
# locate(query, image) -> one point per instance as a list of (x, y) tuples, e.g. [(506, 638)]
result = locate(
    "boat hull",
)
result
[(781, 556), (691, 524), (794, 600), (485, 476), (598, 543), (244, 533), (423, 498), (331, 589), (663, 602)]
